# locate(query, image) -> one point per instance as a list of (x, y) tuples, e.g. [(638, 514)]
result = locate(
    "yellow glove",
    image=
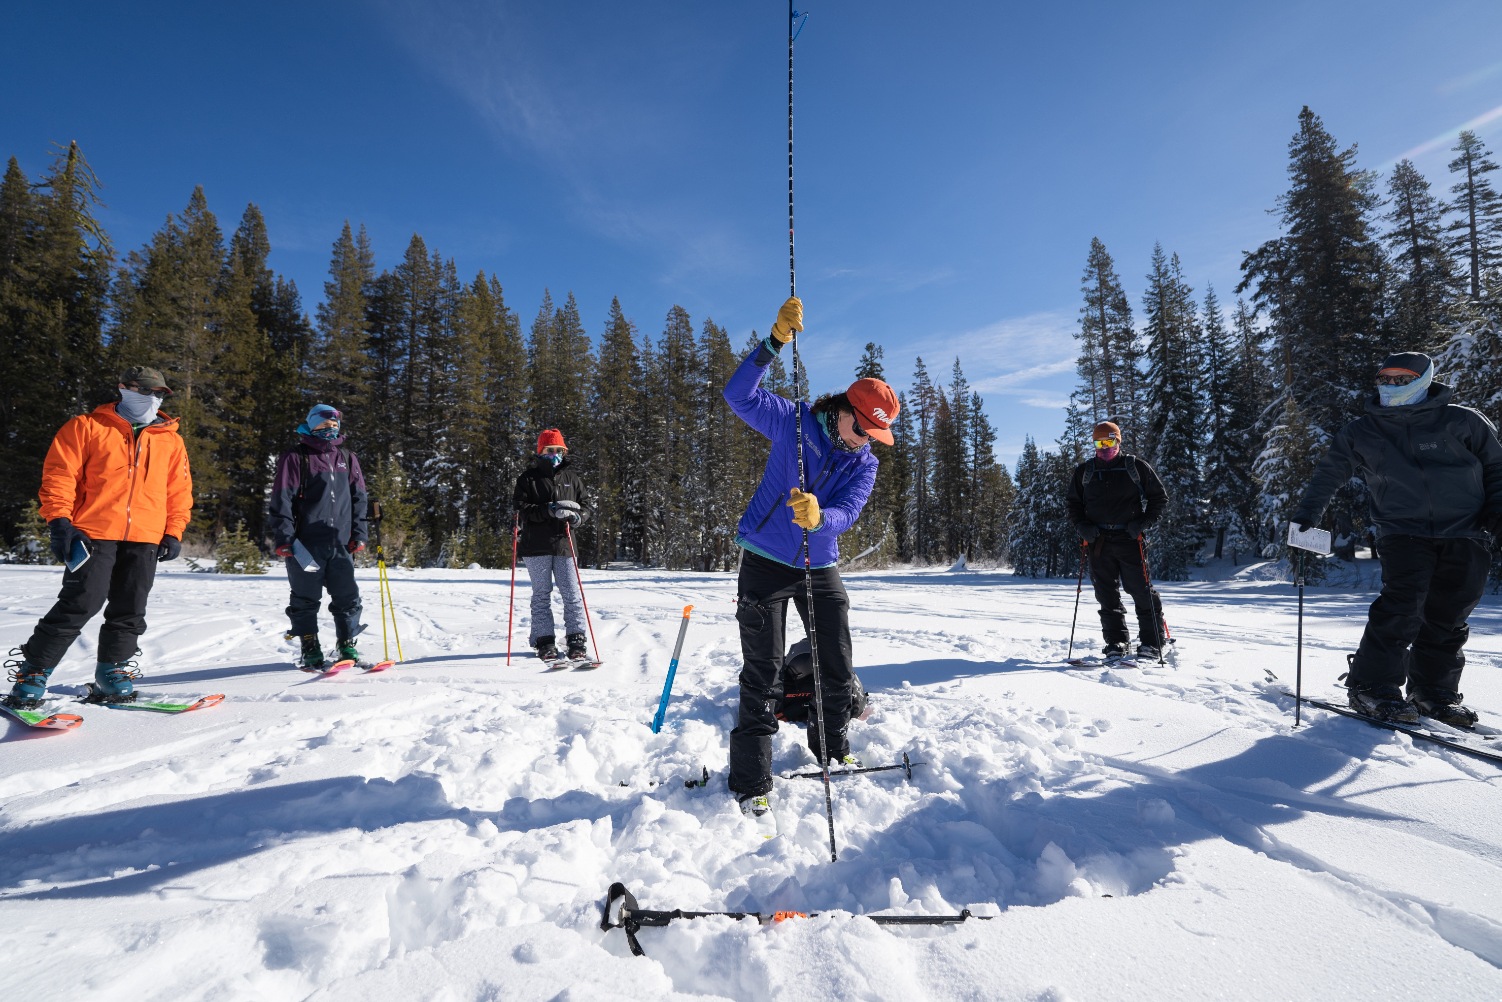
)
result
[(789, 319), (806, 513)]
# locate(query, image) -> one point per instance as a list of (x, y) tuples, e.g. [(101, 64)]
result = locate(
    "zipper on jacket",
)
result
[(131, 494)]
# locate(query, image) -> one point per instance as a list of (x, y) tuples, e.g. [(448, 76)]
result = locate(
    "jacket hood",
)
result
[(108, 412), (316, 444)]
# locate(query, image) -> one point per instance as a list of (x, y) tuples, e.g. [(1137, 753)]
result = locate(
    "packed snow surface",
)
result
[(447, 830)]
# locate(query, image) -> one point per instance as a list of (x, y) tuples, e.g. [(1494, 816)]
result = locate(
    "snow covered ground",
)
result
[(447, 830)]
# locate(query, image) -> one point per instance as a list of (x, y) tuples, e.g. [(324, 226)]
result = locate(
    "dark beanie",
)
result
[(1107, 429), (1398, 363)]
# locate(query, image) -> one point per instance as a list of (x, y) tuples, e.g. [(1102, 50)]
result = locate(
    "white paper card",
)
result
[(305, 559), (1315, 540)]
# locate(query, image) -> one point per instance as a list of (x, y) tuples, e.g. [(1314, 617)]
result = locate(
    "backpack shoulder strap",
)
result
[(1135, 474)]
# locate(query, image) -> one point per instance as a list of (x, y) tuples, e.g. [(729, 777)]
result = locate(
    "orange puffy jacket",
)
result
[(115, 484)]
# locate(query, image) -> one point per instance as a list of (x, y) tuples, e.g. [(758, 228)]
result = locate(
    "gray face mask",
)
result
[(137, 408)]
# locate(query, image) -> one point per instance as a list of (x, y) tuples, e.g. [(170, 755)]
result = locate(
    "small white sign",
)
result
[(1315, 540), (305, 559)]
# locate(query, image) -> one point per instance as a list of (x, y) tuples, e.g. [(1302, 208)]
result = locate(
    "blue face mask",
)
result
[(556, 458), (327, 434), (1403, 396)]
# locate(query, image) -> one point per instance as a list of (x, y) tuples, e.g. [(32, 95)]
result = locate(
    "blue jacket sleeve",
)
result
[(762, 409), (843, 509)]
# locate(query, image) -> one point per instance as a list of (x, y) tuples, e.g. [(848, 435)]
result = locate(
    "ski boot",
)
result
[(547, 649), (756, 807), (577, 650), (1148, 652), (1383, 702), (312, 653), (31, 682), (1446, 707), (1113, 653), (349, 651), (114, 682), (849, 761)]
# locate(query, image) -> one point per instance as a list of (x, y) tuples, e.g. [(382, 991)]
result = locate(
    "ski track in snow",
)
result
[(447, 829)]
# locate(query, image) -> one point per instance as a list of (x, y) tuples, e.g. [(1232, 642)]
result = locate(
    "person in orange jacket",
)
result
[(116, 494)]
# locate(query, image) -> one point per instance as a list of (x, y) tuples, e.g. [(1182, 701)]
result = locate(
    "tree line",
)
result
[(1234, 411), (445, 390)]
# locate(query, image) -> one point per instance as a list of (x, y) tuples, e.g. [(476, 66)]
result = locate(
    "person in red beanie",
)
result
[(550, 500)]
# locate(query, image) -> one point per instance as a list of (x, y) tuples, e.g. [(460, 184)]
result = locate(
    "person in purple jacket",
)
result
[(839, 472), (318, 500)]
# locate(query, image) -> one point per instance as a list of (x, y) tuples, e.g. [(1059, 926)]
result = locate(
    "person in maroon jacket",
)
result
[(318, 523)]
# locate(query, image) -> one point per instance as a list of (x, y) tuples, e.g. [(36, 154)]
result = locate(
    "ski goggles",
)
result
[(1395, 378), (554, 450), (1107, 443)]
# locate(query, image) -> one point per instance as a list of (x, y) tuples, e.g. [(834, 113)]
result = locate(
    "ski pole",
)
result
[(622, 912), (1079, 586), (383, 587), (1153, 601), (794, 27), (511, 610), (1298, 670), (667, 687), (579, 578)]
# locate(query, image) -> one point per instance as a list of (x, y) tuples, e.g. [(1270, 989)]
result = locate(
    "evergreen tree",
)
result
[(922, 506), (1029, 543), (1174, 413), (338, 367), (1110, 355), (1423, 270), (1476, 236), (1230, 443), (671, 398), (1320, 284), (619, 476)]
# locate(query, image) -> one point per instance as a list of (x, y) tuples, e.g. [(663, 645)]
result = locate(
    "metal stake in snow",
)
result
[(667, 687), (795, 25)]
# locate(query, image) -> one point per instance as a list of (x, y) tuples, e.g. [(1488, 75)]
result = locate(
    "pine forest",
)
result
[(447, 383)]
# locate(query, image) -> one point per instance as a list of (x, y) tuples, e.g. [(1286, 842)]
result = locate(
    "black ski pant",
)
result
[(116, 578), (336, 572), (1417, 628), (763, 590), (1116, 563)]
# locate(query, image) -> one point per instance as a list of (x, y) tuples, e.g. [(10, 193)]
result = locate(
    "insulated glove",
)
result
[(355, 545), (63, 534), (806, 513), (1088, 531), (169, 548), (285, 550), (789, 319), (568, 511)]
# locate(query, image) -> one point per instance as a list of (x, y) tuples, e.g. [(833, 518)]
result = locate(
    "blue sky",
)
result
[(953, 160)]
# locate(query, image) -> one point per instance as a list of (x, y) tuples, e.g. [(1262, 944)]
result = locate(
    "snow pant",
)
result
[(762, 592), (1116, 563), (1417, 626), (546, 572), (336, 572), (117, 578)]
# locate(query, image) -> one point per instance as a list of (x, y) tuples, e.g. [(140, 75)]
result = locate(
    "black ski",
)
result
[(622, 912), (1416, 730)]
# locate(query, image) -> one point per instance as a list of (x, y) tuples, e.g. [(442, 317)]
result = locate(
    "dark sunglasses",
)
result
[(855, 423), (1395, 380), (155, 391)]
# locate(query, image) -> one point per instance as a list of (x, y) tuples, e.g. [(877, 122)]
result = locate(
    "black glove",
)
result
[(169, 548), (63, 535), (1135, 526), (568, 511), (1087, 530), (1303, 523), (1492, 523)]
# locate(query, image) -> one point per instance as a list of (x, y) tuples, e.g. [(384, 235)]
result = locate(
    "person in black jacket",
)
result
[(1113, 498), (1434, 472), (318, 523), (550, 499)]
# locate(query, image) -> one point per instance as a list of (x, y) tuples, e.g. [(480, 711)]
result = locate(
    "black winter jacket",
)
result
[(1433, 468), (541, 483), (1103, 493), (330, 507)]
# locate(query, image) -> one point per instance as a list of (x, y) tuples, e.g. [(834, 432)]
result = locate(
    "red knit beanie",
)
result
[(549, 436)]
